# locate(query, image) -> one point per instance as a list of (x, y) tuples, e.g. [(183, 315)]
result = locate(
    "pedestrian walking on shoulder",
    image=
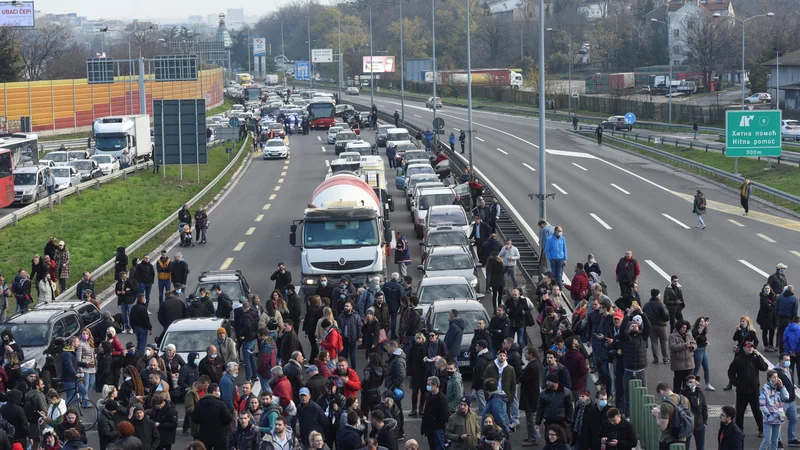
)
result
[(743, 373), (700, 334), (694, 128), (599, 132), (575, 122), (699, 208), (402, 254), (452, 141), (462, 137), (744, 194)]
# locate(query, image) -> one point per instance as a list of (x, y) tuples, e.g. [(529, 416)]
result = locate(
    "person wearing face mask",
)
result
[(188, 374), (699, 408), (324, 288), (579, 287), (556, 250), (87, 361), (771, 401), (787, 309), (784, 369), (198, 391), (777, 281), (211, 365), (129, 357), (730, 437), (212, 419), (434, 419), (594, 414)]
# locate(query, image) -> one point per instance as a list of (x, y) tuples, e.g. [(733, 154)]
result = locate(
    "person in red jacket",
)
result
[(579, 287), (281, 386), (347, 378), (332, 340), (575, 363)]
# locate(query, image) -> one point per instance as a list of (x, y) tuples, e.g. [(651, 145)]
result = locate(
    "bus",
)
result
[(321, 114), (252, 94), (16, 150)]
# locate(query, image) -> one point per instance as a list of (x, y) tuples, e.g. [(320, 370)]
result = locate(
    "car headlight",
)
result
[(28, 191), (31, 364), (310, 281), (473, 282)]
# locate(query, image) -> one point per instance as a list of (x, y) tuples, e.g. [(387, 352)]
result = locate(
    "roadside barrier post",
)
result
[(650, 431), (635, 402)]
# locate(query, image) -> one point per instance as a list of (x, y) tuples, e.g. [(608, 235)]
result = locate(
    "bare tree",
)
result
[(708, 44), (38, 48), (492, 38)]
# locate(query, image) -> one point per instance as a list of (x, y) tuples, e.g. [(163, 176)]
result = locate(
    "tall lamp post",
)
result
[(569, 82), (433, 41), (542, 168), (371, 67), (669, 49), (469, 91), (403, 67), (742, 21), (106, 30)]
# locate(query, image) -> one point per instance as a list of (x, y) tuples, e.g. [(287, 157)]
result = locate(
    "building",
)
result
[(789, 89), (235, 18), (517, 10), (196, 20)]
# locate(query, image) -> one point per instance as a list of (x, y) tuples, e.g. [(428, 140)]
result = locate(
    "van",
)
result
[(396, 136)]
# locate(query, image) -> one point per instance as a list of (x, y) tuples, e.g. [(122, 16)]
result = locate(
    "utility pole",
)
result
[(542, 111), (339, 88), (371, 67), (402, 68), (308, 25), (469, 92), (433, 34), (521, 45)]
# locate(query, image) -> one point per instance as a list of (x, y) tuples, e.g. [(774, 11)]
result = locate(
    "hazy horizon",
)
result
[(179, 10)]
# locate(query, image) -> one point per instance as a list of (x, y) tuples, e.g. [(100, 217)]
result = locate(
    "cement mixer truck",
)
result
[(345, 231)]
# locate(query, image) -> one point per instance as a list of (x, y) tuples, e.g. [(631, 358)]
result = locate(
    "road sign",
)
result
[(630, 117), (234, 122), (302, 70), (753, 133), (438, 123), (322, 55)]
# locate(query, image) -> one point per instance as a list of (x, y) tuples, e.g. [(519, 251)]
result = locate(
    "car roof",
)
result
[(397, 130), (60, 306), (430, 190), (30, 169), (450, 250), (196, 323), (446, 304), (445, 208), (32, 316)]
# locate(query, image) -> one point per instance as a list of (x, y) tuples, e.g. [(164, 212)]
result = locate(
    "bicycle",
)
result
[(87, 415)]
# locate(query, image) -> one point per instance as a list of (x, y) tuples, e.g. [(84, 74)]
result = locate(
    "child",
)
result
[(49, 441)]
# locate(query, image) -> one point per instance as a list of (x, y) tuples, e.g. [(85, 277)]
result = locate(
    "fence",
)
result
[(642, 420), (65, 105)]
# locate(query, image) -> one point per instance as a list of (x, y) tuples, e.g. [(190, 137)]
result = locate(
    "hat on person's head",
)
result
[(466, 400), (272, 325), (177, 285), (654, 292), (111, 405), (304, 391), (312, 369), (106, 315), (619, 314), (553, 378), (503, 351), (138, 407), (16, 446), (781, 266), (221, 330), (153, 347), (26, 372), (638, 319), (388, 394), (129, 346), (493, 435)]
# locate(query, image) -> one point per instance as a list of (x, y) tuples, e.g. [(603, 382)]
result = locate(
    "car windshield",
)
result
[(58, 157), (441, 321), (233, 289), (361, 149), (103, 159), (792, 123), (82, 165), (416, 155), (340, 233), (419, 169), (28, 334), (24, 179), (274, 144), (190, 340), (450, 217), (405, 147), (426, 201), (334, 130), (424, 178), (59, 172), (429, 294), (447, 238), (403, 136), (275, 126), (346, 137), (449, 262)]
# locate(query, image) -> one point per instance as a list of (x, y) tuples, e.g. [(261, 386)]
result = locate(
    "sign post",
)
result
[(322, 55), (752, 133)]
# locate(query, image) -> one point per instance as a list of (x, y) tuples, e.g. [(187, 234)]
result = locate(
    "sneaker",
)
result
[(666, 360), (413, 413), (149, 313), (185, 432), (710, 388), (794, 443), (655, 361), (728, 387), (515, 424), (760, 434), (780, 444)]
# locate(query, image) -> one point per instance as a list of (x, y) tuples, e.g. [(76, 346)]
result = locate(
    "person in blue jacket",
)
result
[(452, 141), (227, 385), (496, 405), (428, 139), (70, 373), (556, 251)]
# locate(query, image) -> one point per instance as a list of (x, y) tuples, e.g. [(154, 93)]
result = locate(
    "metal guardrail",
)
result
[(170, 221), (69, 144), (708, 169)]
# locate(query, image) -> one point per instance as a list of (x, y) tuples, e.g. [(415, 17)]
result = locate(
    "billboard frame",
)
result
[(19, 5)]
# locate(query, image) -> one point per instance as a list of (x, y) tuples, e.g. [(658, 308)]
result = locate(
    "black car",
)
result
[(43, 330)]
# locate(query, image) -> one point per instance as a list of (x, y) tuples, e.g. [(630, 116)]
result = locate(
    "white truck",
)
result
[(345, 232), (113, 135), (271, 79)]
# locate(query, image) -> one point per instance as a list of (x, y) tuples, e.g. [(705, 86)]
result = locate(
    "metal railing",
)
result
[(646, 426), (169, 222), (69, 144)]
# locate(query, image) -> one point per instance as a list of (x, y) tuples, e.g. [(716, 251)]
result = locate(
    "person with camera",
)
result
[(743, 373)]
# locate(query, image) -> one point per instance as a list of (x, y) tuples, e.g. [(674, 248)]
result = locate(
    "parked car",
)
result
[(440, 237), (431, 100), (108, 163), (401, 180), (88, 169), (432, 289), (447, 216), (380, 136), (423, 180), (790, 129), (437, 320), (332, 131), (617, 123), (451, 260), (759, 97), (61, 158), (66, 177), (194, 335), (29, 184), (423, 199), (232, 282), (342, 139)]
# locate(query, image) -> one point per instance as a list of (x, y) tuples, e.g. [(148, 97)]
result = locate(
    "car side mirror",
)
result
[(421, 268), (58, 342), (480, 296)]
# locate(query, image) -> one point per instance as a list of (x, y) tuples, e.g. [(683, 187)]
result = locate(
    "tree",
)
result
[(558, 63), (10, 63), (707, 44), (38, 48), (69, 64), (492, 39)]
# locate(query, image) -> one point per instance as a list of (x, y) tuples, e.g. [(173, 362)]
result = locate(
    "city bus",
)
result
[(321, 114), (16, 150)]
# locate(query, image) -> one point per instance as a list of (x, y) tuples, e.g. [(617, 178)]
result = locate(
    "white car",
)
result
[(790, 129), (430, 101), (193, 335), (332, 134), (759, 97), (66, 177), (61, 158), (108, 163), (276, 148)]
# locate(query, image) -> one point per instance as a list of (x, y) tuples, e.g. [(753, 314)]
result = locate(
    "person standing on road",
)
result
[(673, 299), (180, 270), (510, 255), (201, 223), (402, 254), (528, 387), (185, 216), (545, 231), (666, 415), (699, 408), (556, 251), (627, 273), (393, 292), (462, 137), (694, 129), (146, 275), (700, 333), (730, 437), (212, 419), (5, 294), (125, 299), (699, 208), (777, 281), (682, 346), (555, 406), (350, 324), (436, 415), (164, 271), (49, 182), (771, 402), (391, 155), (767, 317), (62, 265), (786, 307), (140, 321), (789, 406), (744, 194), (282, 278), (743, 373), (599, 133), (575, 122)]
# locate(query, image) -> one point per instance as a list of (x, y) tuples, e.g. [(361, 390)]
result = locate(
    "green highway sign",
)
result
[(753, 133)]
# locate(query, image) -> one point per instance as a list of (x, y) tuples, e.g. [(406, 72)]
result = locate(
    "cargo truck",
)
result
[(113, 135), (345, 231), (480, 77), (271, 79)]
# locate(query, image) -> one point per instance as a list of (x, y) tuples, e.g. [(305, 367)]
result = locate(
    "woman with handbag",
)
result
[(371, 333), (699, 208)]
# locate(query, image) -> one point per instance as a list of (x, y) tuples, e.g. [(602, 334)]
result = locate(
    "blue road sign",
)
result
[(630, 117), (234, 122), (302, 70)]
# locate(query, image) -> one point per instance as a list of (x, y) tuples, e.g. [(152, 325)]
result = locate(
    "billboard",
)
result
[(322, 55), (179, 131), (259, 47), (302, 70), (380, 64), (16, 14)]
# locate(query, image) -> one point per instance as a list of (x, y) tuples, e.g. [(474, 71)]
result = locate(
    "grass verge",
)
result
[(95, 223), (226, 105), (60, 137), (782, 177)]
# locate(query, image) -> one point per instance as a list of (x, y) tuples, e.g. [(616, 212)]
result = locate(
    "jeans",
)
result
[(63, 283), (141, 338), (264, 383), (349, 350), (145, 289), (511, 272), (771, 435), (163, 286), (790, 408), (479, 396), (436, 440), (603, 374), (700, 222), (701, 358), (515, 406), (626, 378), (557, 267), (51, 190), (88, 384), (201, 235), (69, 390), (699, 435), (250, 363), (126, 312), (520, 332)]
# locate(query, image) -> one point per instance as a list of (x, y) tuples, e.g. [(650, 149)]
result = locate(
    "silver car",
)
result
[(433, 289), (66, 177), (423, 199), (88, 169), (451, 260)]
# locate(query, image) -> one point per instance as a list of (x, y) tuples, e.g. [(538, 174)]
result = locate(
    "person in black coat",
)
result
[(145, 429), (730, 436), (213, 367), (224, 303), (13, 413), (180, 270), (317, 383), (171, 309), (213, 419), (282, 278), (436, 415), (310, 417), (528, 380), (120, 262), (480, 233), (289, 342), (744, 374), (617, 433), (140, 322), (107, 424), (481, 333), (594, 414), (166, 419), (185, 216), (313, 316), (498, 327)]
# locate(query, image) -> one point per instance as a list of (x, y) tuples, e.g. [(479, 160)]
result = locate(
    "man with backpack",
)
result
[(674, 417)]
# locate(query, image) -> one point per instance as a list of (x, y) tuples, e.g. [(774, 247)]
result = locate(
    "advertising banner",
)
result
[(259, 47), (16, 14), (380, 64), (322, 55)]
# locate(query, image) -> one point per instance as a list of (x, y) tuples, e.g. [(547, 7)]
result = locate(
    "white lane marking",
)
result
[(456, 129), (756, 269), (738, 224), (558, 188), (327, 163), (239, 246), (657, 269), (272, 197), (226, 264), (795, 253), (572, 154), (766, 238), (502, 151), (476, 137), (266, 207), (681, 224), (580, 167), (323, 149), (417, 115), (620, 189), (250, 231), (319, 138), (600, 221), (635, 175), (259, 218), (529, 167)]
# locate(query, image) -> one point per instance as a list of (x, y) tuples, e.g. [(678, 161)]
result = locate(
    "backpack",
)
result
[(682, 420)]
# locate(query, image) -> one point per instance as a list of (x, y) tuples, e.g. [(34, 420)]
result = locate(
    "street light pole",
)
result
[(542, 110), (669, 50), (433, 40), (339, 88), (371, 67), (777, 78), (469, 91), (403, 68), (569, 82)]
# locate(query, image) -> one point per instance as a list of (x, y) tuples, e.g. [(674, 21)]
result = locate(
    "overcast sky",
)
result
[(153, 9)]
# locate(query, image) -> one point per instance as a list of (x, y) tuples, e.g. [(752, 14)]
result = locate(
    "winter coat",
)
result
[(350, 327), (744, 373), (560, 371), (623, 432), (672, 295), (497, 406), (767, 318), (498, 327), (353, 383), (575, 363), (224, 306), (495, 273), (460, 424), (770, 402), (167, 419), (128, 443), (395, 371), (555, 406), (145, 273), (484, 335), (14, 414), (579, 286), (288, 343), (202, 307), (383, 315), (267, 357), (454, 336), (128, 292), (47, 291), (313, 315), (226, 351), (332, 343), (593, 418), (419, 369), (348, 438), (529, 386), (317, 385), (185, 216), (393, 293), (699, 407), (170, 310), (212, 419), (777, 281), (747, 336), (556, 248), (147, 432), (296, 374), (62, 263), (164, 269), (791, 338), (211, 367), (188, 374), (433, 349), (455, 390), (507, 382), (310, 418), (515, 310), (699, 199), (435, 415), (386, 436), (681, 358), (200, 220), (283, 390), (786, 305), (281, 279), (295, 305), (106, 428), (248, 326), (245, 438), (180, 272), (730, 437)]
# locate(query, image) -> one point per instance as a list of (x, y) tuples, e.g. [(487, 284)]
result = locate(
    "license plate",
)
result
[(463, 363)]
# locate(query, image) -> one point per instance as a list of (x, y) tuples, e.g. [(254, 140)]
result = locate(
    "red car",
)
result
[(276, 130)]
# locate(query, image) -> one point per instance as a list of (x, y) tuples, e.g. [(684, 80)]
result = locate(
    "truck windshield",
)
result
[(111, 142), (341, 233)]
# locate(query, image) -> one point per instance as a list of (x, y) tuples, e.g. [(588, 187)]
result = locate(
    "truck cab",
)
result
[(114, 135)]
